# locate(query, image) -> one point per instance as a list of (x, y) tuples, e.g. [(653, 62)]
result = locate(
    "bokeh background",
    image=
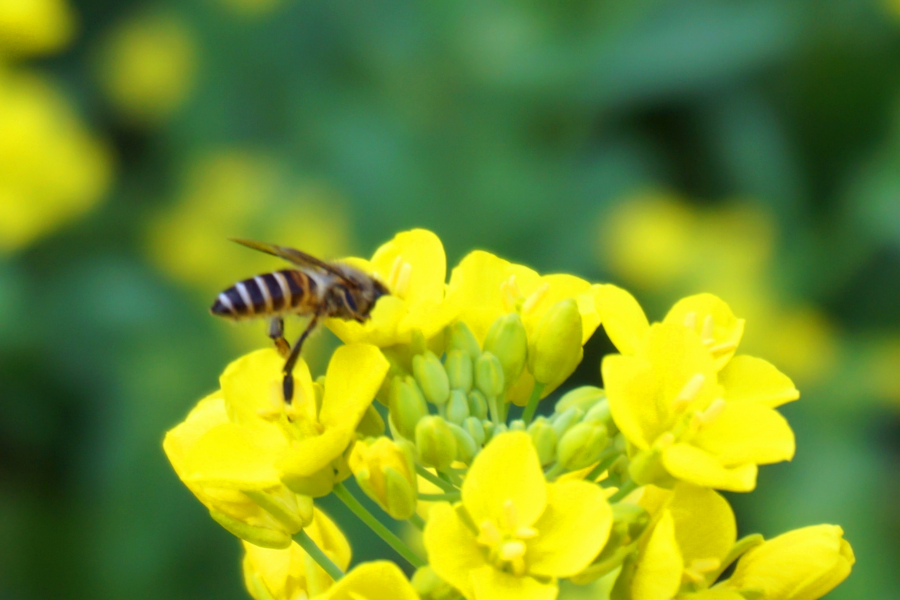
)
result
[(749, 148)]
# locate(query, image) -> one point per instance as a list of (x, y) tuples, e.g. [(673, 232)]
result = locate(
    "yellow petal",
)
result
[(452, 550), (803, 564), (689, 463), (381, 329), (713, 320), (572, 530), (562, 287), (622, 317), (508, 470), (491, 584), (423, 252), (750, 379), (308, 456), (330, 539), (208, 413), (704, 523), (746, 432), (658, 572), (716, 594), (379, 580), (354, 375), (234, 457)]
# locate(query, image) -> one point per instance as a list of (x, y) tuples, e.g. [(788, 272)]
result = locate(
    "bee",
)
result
[(315, 288)]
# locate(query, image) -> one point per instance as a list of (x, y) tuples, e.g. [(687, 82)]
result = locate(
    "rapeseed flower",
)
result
[(32, 27), (513, 534), (378, 580)]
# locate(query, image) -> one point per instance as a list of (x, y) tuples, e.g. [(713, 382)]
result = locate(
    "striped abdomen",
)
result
[(282, 291)]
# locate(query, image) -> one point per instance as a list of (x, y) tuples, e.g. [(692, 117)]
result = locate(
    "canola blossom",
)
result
[(434, 407)]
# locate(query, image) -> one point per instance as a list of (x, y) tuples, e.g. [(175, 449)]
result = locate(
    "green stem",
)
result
[(627, 487), (602, 466), (417, 522), (428, 475), (494, 410), (533, 400), (377, 526), (555, 471), (310, 547), (452, 497)]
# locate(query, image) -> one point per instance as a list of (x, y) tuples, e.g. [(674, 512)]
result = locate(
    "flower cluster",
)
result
[(617, 483)]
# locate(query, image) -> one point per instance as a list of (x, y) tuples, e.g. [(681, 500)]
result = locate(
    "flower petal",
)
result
[(658, 573), (507, 470), (208, 413), (354, 375), (712, 319), (234, 457), (704, 523), (452, 550), (572, 530), (747, 432), (689, 463), (309, 456), (491, 584), (562, 287), (750, 379), (622, 317), (379, 580), (423, 252)]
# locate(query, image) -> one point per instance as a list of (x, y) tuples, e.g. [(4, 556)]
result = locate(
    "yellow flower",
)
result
[(385, 470), (378, 580), (705, 427), (35, 26), (803, 564), (147, 66), (514, 534), (413, 266), (52, 170), (262, 449), (290, 573)]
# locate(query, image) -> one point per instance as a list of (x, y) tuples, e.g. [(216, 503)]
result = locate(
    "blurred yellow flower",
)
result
[(378, 580), (52, 170), (514, 534), (290, 573), (30, 27), (147, 66)]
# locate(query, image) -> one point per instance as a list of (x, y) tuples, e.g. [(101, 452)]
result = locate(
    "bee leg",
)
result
[(288, 383), (276, 332)]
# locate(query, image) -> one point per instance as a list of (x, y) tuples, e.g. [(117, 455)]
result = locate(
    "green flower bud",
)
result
[(488, 427), (385, 470), (294, 511), (474, 428), (371, 425), (478, 406), (417, 343), (407, 406), (583, 398), (517, 425), (646, 467), (458, 407), (556, 348), (432, 377), (435, 442), (508, 341), (564, 420), (543, 436), (466, 449), (489, 375), (459, 370), (462, 338), (431, 587), (317, 485), (599, 413), (581, 446), (263, 537)]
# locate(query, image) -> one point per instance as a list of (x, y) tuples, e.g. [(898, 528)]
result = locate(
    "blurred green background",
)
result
[(749, 148)]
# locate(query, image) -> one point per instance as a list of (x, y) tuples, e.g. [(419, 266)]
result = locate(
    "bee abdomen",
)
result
[(267, 294)]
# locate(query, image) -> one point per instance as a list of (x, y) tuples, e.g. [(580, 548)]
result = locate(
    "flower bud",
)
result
[(264, 537), (474, 428), (646, 467), (564, 420), (543, 436), (488, 427), (466, 449), (432, 377), (508, 341), (295, 511), (435, 442), (385, 471), (581, 446), (457, 407), (583, 398), (517, 425), (489, 375), (459, 370), (371, 424), (407, 406), (417, 343), (599, 413), (478, 406), (431, 587), (556, 348), (462, 338)]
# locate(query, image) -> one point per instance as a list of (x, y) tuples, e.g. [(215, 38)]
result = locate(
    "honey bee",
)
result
[(316, 288)]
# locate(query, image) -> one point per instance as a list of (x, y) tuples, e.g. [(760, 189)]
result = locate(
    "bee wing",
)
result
[(301, 259)]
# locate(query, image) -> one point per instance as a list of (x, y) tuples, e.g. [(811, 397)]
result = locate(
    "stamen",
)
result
[(722, 348), (690, 320), (509, 512), (402, 286), (689, 391), (664, 441), (700, 567), (509, 292), (395, 273), (712, 411), (488, 534), (707, 333), (535, 298)]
